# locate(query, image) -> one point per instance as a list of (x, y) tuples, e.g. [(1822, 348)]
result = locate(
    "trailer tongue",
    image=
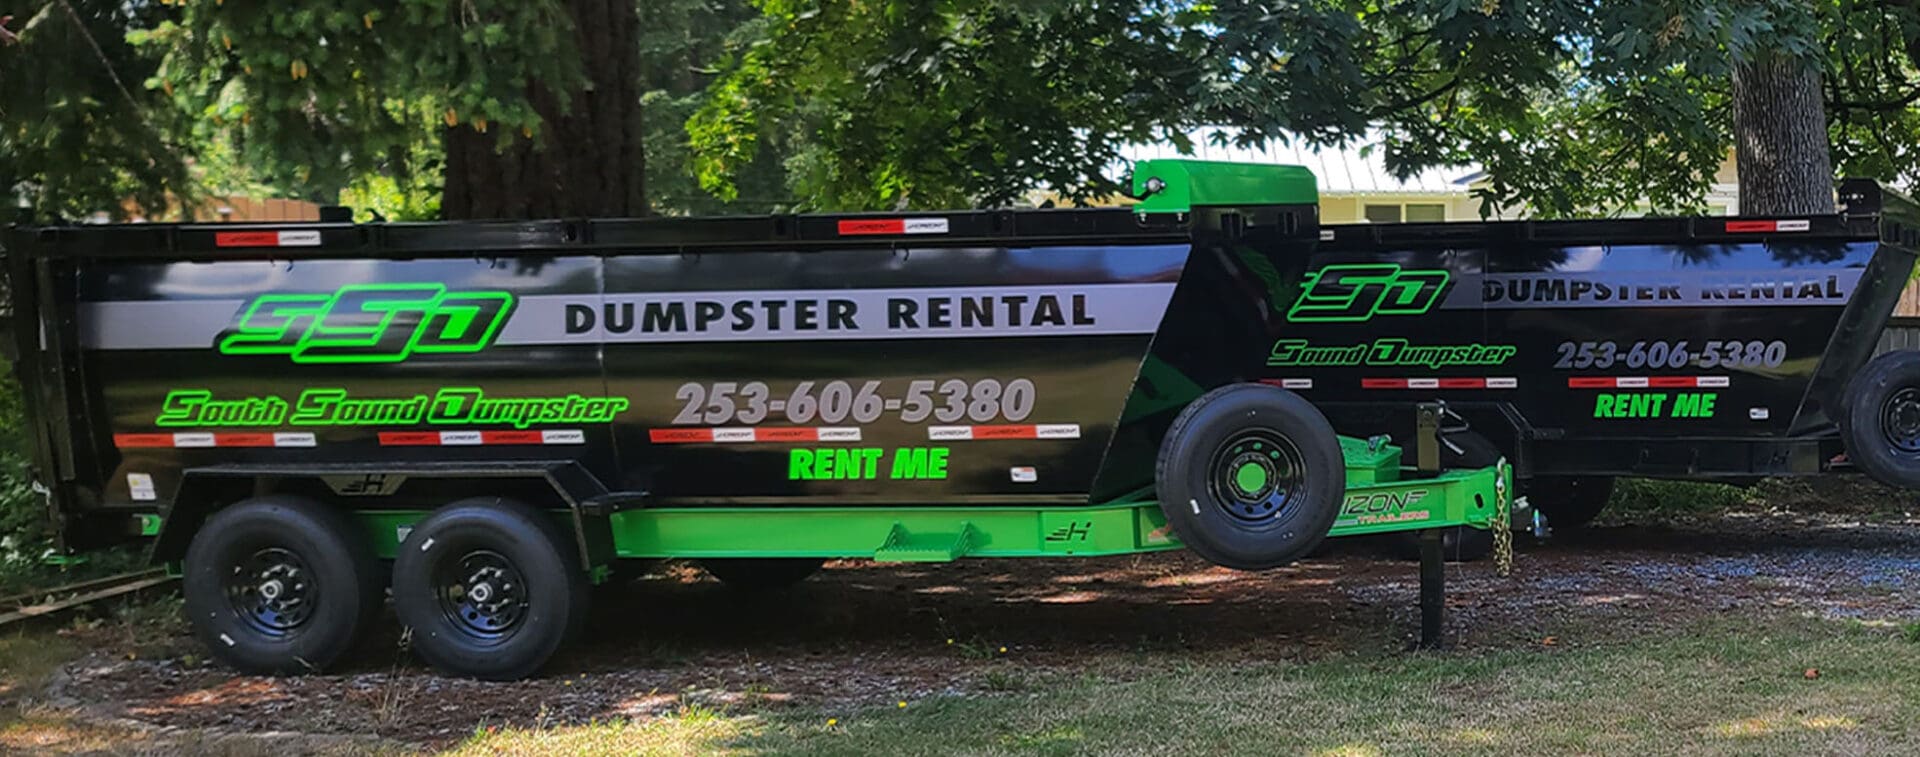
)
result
[(509, 411)]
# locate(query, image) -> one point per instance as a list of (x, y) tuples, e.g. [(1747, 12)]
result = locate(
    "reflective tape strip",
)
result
[(191, 440), (410, 438), (1289, 383), (1005, 431), (477, 438), (243, 440), (302, 238), (1762, 227), (679, 435), (781, 435), (949, 433), (1447, 382), (876, 226), (290, 238), (1648, 382), (739, 435)]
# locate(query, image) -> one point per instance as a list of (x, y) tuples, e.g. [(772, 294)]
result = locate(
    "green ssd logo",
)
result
[(369, 323), (1358, 292)]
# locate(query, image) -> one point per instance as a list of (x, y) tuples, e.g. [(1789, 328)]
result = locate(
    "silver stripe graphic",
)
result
[(155, 325), (722, 316), (906, 313)]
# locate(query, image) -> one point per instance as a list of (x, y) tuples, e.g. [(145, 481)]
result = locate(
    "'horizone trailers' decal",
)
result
[(286, 323)]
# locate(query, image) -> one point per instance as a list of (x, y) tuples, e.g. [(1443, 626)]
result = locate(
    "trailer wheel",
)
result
[(490, 588), (757, 575), (279, 585), (1250, 476), (1460, 449), (1882, 428)]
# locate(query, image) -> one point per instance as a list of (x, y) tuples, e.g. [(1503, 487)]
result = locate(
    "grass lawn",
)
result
[(1728, 688), (1757, 681)]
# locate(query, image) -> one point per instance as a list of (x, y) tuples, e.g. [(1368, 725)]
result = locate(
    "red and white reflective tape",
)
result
[(1648, 382), (481, 438), (300, 238), (214, 439), (738, 435), (853, 227), (1765, 227), (1005, 431), (1289, 383), (1451, 382)]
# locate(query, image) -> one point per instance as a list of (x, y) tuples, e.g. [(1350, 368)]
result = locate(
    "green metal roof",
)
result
[(1179, 185)]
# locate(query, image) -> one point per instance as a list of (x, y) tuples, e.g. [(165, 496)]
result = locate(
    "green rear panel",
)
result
[(1187, 184)]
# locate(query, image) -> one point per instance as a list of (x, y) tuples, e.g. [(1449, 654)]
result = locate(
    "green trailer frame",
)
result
[(1381, 497)]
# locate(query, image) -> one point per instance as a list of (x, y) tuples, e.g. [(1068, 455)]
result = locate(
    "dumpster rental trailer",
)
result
[(488, 417)]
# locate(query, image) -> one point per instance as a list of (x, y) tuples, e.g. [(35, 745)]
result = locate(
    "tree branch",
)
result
[(1419, 99)]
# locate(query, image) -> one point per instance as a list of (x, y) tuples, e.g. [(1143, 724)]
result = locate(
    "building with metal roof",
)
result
[(1355, 185)]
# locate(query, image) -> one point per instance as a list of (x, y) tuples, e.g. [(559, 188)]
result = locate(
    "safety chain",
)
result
[(1502, 522)]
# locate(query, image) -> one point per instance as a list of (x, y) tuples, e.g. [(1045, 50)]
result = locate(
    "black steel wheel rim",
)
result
[(1900, 420), (1256, 475), (272, 591), (482, 594)]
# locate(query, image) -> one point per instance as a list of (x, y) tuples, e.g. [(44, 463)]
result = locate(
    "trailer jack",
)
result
[(1433, 589)]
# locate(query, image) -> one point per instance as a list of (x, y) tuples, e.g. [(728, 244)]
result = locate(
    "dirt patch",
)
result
[(862, 633)]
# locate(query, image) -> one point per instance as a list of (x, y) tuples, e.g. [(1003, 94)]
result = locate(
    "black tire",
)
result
[(1882, 419), (757, 575), (280, 585), (490, 587), (1570, 501), (1460, 449), (1250, 476)]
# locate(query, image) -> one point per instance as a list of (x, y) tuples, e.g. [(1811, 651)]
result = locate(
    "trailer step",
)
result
[(902, 546)]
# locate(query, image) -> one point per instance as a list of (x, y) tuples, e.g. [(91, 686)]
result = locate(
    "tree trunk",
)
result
[(588, 159), (1780, 138)]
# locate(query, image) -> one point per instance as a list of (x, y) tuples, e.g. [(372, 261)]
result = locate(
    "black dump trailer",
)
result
[(492, 416)]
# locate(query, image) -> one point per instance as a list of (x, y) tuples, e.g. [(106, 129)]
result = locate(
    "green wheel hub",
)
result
[(1250, 477)]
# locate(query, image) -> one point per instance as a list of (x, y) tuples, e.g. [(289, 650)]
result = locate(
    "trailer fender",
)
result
[(206, 490)]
